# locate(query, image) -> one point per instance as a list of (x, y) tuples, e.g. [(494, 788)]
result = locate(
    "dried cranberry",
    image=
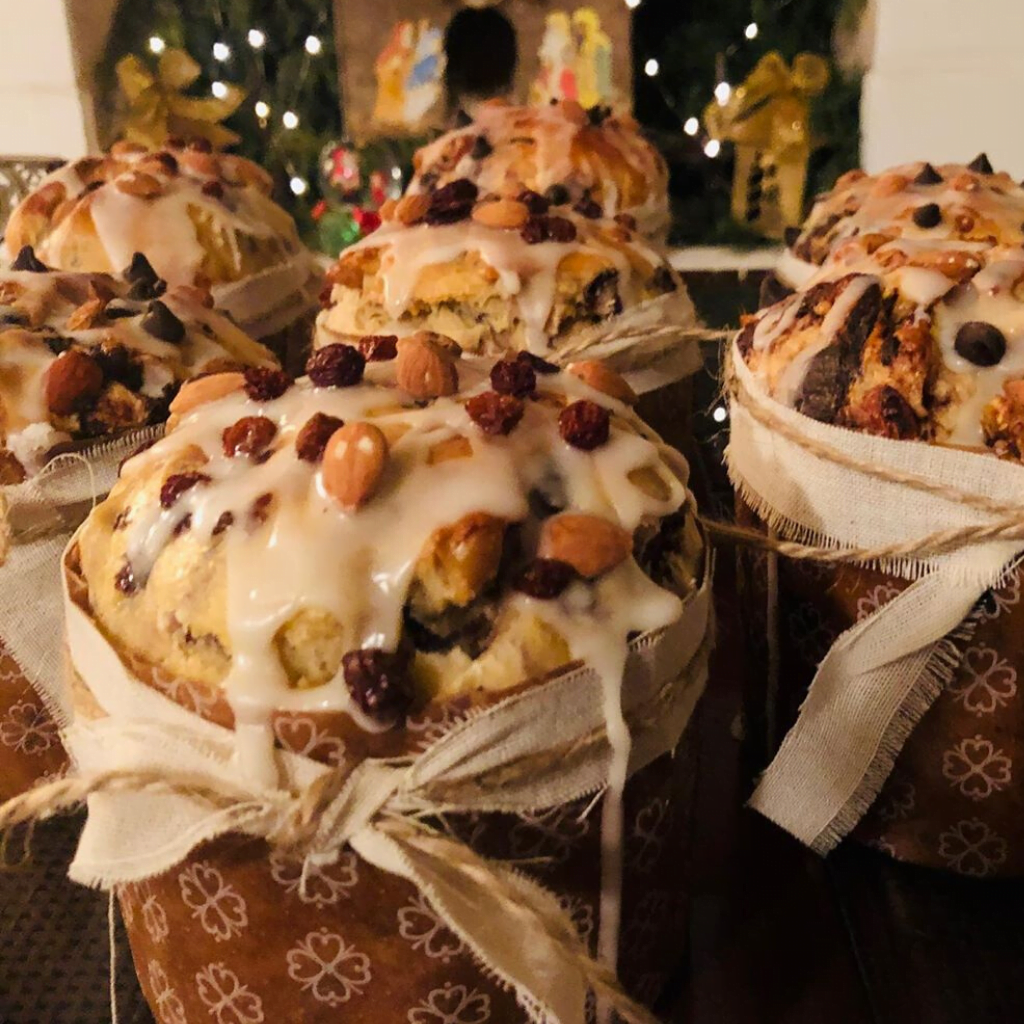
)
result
[(125, 579), (584, 424), (336, 366), (183, 525), (177, 484), (213, 188), (545, 578), (313, 437), (533, 201), (262, 384), (250, 435), (539, 365), (260, 510), (462, 190), (588, 208), (494, 413), (169, 161), (378, 683), (513, 377), (225, 520), (560, 229), (379, 348), (122, 519)]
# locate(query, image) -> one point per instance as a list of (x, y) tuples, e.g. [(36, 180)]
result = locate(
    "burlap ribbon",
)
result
[(945, 518), (161, 780)]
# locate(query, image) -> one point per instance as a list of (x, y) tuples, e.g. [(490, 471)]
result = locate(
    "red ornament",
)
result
[(319, 209)]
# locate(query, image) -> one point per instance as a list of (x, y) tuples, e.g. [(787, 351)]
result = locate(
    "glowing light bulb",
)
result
[(712, 148), (156, 44), (290, 119), (298, 185), (313, 45), (396, 173), (632, 4), (719, 414), (691, 126), (221, 51), (651, 68), (257, 40), (219, 89), (262, 110), (751, 30), (722, 93)]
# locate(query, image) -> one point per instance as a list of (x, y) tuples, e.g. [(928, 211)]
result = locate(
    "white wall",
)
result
[(45, 105), (947, 83)]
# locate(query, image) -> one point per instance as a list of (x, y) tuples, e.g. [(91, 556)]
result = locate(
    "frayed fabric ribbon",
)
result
[(947, 519), (160, 780)]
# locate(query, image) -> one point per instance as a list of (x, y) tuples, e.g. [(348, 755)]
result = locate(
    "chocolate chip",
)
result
[(495, 414), (263, 384), (462, 119), (27, 260), (378, 683), (545, 578), (313, 437), (556, 195), (980, 164), (927, 216), (980, 343), (177, 484), (513, 377), (140, 269), (584, 425), (790, 236), (336, 366), (162, 323), (539, 365), (13, 318), (481, 148), (118, 363), (598, 114), (533, 201), (250, 436), (773, 289), (119, 311), (928, 176), (379, 348)]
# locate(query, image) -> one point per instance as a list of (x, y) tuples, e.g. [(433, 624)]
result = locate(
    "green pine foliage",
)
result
[(281, 73)]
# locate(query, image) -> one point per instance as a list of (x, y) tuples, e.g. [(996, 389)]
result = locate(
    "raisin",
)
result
[(119, 364), (177, 484), (544, 578), (533, 201), (560, 229), (513, 377), (586, 207), (225, 520), (532, 232), (162, 323), (125, 580), (539, 365), (378, 683), (379, 348), (263, 384), (336, 366), (627, 220), (214, 189), (313, 437), (251, 435), (584, 425), (27, 260), (495, 414), (169, 161), (325, 295), (452, 202), (259, 512), (183, 525)]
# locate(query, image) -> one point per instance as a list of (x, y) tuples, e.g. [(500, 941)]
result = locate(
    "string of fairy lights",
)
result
[(289, 120)]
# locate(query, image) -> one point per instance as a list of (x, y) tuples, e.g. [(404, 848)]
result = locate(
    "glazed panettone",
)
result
[(200, 217), (496, 275), (594, 159), (90, 356), (934, 204), (906, 340), (399, 527)]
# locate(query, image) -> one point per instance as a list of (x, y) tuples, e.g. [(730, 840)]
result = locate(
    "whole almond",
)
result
[(411, 209), (387, 209), (604, 379), (72, 381), (198, 392), (142, 186), (505, 213), (590, 544), (353, 463), (424, 368)]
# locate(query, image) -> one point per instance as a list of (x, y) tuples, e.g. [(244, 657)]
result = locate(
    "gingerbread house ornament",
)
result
[(407, 66)]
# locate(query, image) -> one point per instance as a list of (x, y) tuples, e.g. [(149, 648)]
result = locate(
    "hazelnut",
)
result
[(353, 463), (590, 544)]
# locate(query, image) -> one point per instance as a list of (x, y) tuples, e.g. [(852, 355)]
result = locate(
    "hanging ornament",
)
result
[(768, 120), (158, 110), (361, 176)]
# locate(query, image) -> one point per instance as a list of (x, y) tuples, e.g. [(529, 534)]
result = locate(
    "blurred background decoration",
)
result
[(406, 68)]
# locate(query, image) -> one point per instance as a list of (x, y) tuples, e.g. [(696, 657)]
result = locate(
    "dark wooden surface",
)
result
[(778, 936)]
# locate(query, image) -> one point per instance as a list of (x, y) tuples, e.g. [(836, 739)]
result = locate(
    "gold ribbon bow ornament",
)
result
[(158, 108), (768, 120)]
